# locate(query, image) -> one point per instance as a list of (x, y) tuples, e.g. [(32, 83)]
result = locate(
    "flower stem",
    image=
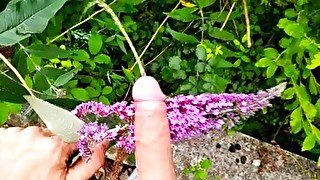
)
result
[(123, 31), (16, 72)]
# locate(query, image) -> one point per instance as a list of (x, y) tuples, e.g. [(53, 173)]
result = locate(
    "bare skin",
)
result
[(35, 153)]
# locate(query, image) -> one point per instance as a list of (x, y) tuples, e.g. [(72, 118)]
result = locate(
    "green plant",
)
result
[(199, 171)]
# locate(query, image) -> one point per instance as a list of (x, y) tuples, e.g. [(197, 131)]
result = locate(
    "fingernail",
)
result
[(147, 88)]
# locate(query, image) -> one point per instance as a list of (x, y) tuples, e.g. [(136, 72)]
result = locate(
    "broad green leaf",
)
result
[(199, 67), (201, 53), (312, 84), (182, 37), (4, 113), (81, 55), (292, 28), (221, 63), (302, 92), (221, 16), (121, 45), (174, 62), (102, 59), (314, 62), (200, 174), (40, 82), (296, 120), (290, 13), (206, 164), (64, 78), (95, 43), (223, 35), (106, 90), (271, 70), (288, 93), (204, 3), (92, 92), (308, 108), (317, 105), (104, 100), (270, 53), (308, 143), (59, 121), (315, 132), (11, 91), (128, 74), (48, 51), (22, 18), (80, 94), (264, 62), (184, 14)]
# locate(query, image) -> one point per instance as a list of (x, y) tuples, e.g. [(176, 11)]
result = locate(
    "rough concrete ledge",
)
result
[(241, 157)]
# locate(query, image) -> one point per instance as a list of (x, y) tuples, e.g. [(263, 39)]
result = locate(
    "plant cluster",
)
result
[(202, 46)]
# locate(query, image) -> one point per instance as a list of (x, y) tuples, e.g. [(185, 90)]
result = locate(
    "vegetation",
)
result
[(77, 53)]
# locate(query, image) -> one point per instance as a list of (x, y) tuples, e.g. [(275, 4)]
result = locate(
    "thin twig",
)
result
[(123, 31), (154, 35), (76, 25), (227, 18), (246, 15), (202, 21), (16, 72)]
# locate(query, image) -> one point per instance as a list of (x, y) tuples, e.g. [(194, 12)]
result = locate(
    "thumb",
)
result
[(152, 136), (85, 169)]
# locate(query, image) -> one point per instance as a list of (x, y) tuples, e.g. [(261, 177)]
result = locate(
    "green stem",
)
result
[(123, 31), (76, 25), (16, 72)]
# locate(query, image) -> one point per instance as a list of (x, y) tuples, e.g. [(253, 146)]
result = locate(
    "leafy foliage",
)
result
[(202, 47)]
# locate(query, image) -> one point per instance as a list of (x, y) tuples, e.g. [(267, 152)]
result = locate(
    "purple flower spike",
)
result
[(189, 116)]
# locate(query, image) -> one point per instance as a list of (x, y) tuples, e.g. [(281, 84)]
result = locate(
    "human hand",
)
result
[(152, 136), (35, 153)]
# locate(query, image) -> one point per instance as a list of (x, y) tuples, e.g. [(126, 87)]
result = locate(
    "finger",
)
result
[(84, 169), (152, 136), (46, 132)]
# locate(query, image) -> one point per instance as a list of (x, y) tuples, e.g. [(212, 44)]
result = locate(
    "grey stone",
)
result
[(240, 157)]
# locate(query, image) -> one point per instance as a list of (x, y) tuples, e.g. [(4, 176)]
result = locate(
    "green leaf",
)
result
[(95, 43), (121, 45), (64, 78), (264, 62), (4, 113), (201, 52), (40, 82), (48, 51), (315, 132), (80, 94), (221, 16), (182, 37), (308, 143), (270, 53), (314, 62), (223, 35), (174, 62), (200, 174), (184, 14), (106, 90), (308, 108), (288, 93), (22, 18), (92, 92), (81, 55), (206, 164), (292, 28), (128, 74), (102, 59), (104, 100), (313, 86), (317, 105), (296, 120), (204, 3), (271, 70), (290, 13), (11, 91)]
